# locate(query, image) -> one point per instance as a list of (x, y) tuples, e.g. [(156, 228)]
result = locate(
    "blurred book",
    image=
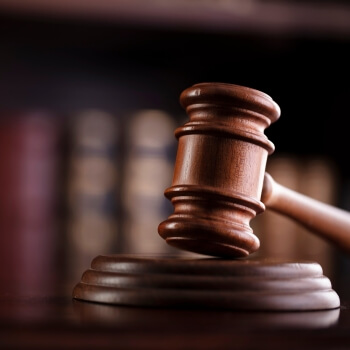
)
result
[(29, 176), (342, 260), (319, 181), (148, 170), (280, 236), (93, 174)]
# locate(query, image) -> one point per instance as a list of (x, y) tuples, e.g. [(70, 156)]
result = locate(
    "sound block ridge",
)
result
[(206, 283)]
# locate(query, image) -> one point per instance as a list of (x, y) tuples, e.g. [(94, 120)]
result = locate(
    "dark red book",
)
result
[(29, 180)]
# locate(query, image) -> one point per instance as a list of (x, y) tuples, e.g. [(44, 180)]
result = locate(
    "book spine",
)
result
[(342, 262), (280, 236), (318, 181), (149, 160), (277, 233), (92, 189), (29, 177)]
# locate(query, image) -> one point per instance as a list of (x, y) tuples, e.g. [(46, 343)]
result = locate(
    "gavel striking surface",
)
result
[(207, 284)]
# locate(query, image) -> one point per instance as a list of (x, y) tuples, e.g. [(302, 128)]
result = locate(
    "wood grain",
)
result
[(212, 283)]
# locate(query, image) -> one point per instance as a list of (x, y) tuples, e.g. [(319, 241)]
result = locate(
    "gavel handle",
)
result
[(330, 223)]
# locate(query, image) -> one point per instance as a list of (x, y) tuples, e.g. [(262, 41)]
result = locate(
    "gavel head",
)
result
[(219, 170)]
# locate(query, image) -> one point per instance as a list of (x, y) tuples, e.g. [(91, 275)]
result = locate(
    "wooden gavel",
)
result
[(220, 182)]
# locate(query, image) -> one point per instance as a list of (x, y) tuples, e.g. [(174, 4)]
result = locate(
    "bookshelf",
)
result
[(314, 18), (121, 56)]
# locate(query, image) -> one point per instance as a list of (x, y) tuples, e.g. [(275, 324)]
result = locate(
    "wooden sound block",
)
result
[(206, 283)]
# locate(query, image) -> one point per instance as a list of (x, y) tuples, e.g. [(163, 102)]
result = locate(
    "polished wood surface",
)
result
[(59, 322), (207, 284), (220, 183)]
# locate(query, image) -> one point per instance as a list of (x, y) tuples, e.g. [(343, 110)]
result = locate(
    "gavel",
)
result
[(219, 185), (220, 181)]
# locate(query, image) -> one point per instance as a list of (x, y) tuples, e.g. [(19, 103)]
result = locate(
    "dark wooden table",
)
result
[(56, 321)]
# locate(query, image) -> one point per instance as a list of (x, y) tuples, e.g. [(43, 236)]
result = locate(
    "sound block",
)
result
[(206, 283)]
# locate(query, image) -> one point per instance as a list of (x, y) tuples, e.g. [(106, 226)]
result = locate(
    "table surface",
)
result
[(57, 321)]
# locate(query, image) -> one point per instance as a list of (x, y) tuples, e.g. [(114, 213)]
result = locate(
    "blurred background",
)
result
[(89, 101)]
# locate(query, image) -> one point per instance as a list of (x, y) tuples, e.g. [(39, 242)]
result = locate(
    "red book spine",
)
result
[(29, 154)]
